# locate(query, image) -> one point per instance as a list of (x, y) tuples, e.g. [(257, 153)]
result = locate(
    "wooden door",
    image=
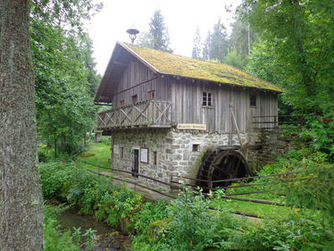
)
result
[(135, 162)]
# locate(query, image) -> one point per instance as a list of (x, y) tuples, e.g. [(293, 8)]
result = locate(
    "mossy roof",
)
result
[(171, 64)]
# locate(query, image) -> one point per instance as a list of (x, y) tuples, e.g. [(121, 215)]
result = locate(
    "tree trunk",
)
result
[(21, 204), (85, 139), (55, 145), (63, 142)]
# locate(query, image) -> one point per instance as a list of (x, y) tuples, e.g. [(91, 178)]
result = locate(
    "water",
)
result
[(107, 238)]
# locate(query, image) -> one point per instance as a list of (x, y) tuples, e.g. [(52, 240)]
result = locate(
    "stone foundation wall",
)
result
[(185, 160), (155, 141), (273, 145), (176, 153)]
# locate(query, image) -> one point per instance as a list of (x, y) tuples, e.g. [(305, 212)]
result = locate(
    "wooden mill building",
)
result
[(168, 110)]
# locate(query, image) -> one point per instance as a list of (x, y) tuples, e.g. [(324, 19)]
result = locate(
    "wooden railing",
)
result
[(274, 122), (150, 113)]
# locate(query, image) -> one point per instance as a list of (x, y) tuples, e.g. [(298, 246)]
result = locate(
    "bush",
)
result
[(298, 231), (90, 193), (145, 224)]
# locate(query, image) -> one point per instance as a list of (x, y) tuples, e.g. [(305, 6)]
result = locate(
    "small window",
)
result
[(121, 152), (151, 94), (204, 98), (144, 155), (195, 147), (134, 99), (253, 100), (207, 99), (155, 158), (121, 103)]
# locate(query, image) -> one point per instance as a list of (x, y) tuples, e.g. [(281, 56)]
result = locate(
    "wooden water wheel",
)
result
[(223, 163)]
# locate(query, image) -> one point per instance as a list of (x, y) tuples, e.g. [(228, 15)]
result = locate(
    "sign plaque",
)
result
[(191, 127)]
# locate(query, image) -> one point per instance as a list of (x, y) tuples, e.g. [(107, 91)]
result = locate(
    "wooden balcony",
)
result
[(150, 113)]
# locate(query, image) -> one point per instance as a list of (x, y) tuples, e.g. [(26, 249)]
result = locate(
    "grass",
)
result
[(98, 154), (262, 210)]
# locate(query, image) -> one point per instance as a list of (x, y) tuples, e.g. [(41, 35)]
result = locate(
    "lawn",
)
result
[(262, 210), (98, 154), (268, 185)]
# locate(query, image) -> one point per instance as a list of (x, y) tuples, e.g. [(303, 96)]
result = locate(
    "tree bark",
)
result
[(21, 204)]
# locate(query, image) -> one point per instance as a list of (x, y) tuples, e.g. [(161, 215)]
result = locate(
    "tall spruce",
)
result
[(219, 42), (206, 47), (241, 39), (216, 44), (157, 37), (197, 50), (21, 203)]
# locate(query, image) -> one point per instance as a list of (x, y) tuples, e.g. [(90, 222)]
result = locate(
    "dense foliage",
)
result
[(94, 195), (290, 44), (295, 51), (65, 76)]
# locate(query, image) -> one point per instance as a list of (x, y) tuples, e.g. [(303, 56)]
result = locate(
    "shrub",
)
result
[(90, 193), (144, 223), (298, 231)]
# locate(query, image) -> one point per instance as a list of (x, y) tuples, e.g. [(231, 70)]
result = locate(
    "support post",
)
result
[(236, 125)]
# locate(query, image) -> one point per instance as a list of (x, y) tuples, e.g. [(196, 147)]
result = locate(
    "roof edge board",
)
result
[(152, 68)]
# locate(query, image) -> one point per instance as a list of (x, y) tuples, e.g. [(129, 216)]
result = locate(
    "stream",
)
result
[(107, 238)]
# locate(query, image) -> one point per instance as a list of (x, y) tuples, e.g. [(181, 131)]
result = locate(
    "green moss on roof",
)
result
[(168, 63)]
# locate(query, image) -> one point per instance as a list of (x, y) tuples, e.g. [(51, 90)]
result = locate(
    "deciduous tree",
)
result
[(297, 38)]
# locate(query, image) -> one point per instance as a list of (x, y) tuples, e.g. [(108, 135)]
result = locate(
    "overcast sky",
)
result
[(182, 17)]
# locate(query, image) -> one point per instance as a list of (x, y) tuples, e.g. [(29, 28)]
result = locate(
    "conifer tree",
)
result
[(218, 42), (196, 52), (157, 37)]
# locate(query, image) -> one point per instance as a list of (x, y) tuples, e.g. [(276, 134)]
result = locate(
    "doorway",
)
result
[(135, 162)]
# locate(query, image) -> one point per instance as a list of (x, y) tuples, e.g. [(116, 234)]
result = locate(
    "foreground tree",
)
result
[(21, 214)]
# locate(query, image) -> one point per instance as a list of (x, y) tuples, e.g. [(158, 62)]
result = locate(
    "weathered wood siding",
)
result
[(134, 74), (186, 96), (186, 100)]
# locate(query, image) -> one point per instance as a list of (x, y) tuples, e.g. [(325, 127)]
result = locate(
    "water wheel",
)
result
[(221, 164)]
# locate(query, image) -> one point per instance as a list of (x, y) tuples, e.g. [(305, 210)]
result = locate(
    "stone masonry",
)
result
[(177, 152)]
